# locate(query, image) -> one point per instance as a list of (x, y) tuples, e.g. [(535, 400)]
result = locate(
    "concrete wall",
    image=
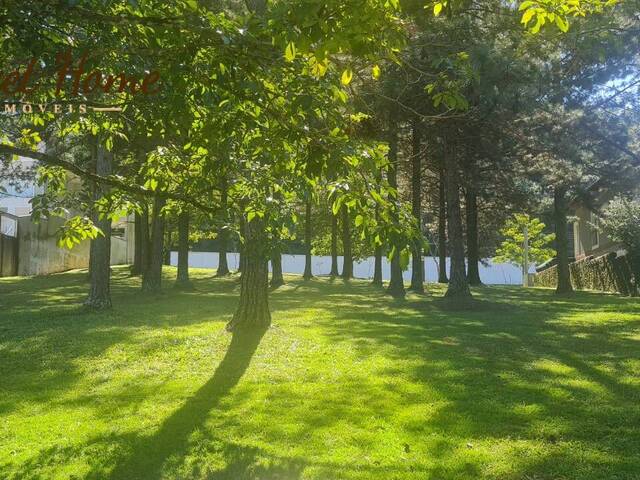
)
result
[(39, 253), (491, 274)]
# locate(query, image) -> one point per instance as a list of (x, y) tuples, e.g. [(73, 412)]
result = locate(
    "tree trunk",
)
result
[(417, 264), (634, 260), (442, 230), (253, 308), (100, 248), (152, 277), (241, 255), (277, 278), (223, 233), (145, 241), (136, 268), (182, 279), (377, 267), (167, 246), (334, 245), (308, 274), (562, 241), (396, 283), (347, 255), (458, 285), (473, 256)]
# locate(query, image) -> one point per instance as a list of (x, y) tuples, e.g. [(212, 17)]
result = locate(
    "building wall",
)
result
[(583, 236), (39, 253)]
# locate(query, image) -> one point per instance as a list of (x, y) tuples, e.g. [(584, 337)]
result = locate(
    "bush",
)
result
[(608, 273)]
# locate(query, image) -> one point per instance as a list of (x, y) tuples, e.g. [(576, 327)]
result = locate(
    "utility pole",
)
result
[(525, 258)]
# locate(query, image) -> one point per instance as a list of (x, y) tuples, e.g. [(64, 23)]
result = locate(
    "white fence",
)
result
[(492, 274)]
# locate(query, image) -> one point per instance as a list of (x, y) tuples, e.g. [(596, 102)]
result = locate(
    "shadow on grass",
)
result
[(172, 439)]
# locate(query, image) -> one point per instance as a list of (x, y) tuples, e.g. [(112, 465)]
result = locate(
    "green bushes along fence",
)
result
[(608, 273)]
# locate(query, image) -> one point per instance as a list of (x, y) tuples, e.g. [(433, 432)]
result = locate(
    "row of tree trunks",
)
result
[(473, 255), (417, 267), (152, 276), (223, 232), (308, 274), (458, 285), (334, 245), (253, 307), (442, 229), (396, 283), (560, 208), (100, 248), (182, 278), (347, 255)]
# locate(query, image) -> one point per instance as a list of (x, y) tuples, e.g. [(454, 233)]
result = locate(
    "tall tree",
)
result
[(100, 256), (417, 264)]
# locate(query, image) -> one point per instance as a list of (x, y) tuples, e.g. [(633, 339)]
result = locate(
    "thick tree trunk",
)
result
[(458, 285), (347, 254), (182, 278), (277, 278), (152, 277), (473, 256), (334, 245), (136, 268), (417, 264), (308, 274), (560, 208), (253, 307), (396, 283), (223, 233), (442, 230), (100, 249)]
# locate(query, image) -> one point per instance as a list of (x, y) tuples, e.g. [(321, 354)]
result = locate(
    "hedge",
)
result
[(608, 273)]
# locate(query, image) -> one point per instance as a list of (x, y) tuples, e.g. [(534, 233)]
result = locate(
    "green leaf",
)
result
[(359, 220), (290, 52), (376, 72), (562, 24), (437, 8), (347, 76)]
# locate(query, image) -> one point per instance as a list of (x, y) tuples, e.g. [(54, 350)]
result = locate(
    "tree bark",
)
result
[(223, 233), (100, 248), (396, 283), (152, 277), (560, 208), (182, 278), (473, 256), (277, 278), (417, 264), (167, 246), (253, 307), (347, 254), (377, 260), (145, 241), (458, 285), (334, 245), (241, 255), (136, 268), (442, 230), (308, 274)]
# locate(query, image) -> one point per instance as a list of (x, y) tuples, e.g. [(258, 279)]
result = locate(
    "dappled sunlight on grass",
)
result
[(348, 383)]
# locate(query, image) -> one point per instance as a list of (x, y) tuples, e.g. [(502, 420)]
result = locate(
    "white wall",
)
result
[(494, 274)]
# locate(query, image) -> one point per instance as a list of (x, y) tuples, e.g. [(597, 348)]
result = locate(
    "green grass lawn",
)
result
[(347, 384)]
